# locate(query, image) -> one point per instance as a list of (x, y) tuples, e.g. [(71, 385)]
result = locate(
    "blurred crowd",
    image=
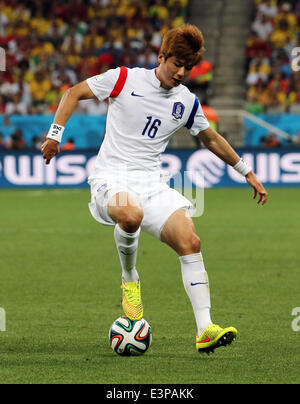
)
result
[(50, 46), (272, 67)]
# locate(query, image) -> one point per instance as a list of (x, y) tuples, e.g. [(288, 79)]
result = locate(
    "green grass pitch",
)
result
[(60, 288)]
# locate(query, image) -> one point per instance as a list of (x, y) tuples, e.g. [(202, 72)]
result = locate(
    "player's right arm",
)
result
[(66, 107)]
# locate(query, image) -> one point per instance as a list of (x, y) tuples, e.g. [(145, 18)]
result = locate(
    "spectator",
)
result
[(294, 99), (286, 14), (69, 145), (259, 92), (268, 8), (262, 61), (211, 116), (276, 102), (270, 141), (295, 140), (147, 58), (2, 105), (73, 40), (7, 87), (7, 129), (16, 106), (280, 81), (52, 99), (253, 105), (16, 141), (257, 46), (281, 35), (290, 45), (93, 40), (40, 23), (201, 77), (263, 27), (273, 88), (37, 143), (2, 143), (51, 44), (282, 63), (159, 10), (63, 73), (40, 86), (258, 71), (23, 89), (3, 23)]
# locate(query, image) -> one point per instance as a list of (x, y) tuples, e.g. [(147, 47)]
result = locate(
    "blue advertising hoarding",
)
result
[(87, 131), (289, 123), (280, 167)]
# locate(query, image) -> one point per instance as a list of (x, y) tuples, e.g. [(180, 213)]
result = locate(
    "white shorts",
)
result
[(157, 200)]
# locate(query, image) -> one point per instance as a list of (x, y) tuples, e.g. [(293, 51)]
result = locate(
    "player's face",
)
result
[(172, 72)]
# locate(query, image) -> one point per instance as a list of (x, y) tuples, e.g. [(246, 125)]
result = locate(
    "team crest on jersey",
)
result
[(178, 110)]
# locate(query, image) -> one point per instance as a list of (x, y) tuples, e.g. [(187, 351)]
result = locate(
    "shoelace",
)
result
[(131, 295)]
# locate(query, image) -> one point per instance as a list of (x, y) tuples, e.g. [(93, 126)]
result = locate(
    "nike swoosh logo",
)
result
[(199, 283), (124, 253), (205, 340), (136, 95)]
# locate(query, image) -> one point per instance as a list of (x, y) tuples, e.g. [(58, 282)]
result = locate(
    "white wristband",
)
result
[(55, 132), (242, 167)]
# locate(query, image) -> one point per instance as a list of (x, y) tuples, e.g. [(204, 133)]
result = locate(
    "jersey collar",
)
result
[(157, 84)]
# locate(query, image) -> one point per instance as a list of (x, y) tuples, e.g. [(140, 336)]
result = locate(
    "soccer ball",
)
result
[(127, 337)]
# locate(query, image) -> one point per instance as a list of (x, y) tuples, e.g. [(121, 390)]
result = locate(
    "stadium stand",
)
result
[(251, 44), (50, 46), (272, 85)]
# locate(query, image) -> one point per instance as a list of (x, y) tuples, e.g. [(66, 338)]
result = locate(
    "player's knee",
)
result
[(190, 245), (131, 219), (195, 244)]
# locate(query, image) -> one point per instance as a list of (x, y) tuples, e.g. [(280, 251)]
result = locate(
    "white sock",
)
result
[(127, 245), (196, 284)]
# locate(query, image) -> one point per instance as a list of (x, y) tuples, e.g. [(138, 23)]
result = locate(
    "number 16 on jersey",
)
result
[(151, 127)]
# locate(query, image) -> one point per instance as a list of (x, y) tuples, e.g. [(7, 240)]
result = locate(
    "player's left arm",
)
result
[(221, 148)]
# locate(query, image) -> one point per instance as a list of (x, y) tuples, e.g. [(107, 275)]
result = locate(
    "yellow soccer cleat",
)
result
[(214, 337), (132, 300)]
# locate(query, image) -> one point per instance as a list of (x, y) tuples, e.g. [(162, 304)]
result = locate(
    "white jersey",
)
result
[(142, 116)]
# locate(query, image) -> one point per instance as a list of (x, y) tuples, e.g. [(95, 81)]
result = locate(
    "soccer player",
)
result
[(128, 190)]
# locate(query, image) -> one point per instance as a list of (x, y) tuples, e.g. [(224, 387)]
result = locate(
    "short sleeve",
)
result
[(102, 85), (197, 121)]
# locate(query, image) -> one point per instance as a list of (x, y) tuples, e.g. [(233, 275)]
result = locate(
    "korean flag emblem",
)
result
[(178, 110)]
